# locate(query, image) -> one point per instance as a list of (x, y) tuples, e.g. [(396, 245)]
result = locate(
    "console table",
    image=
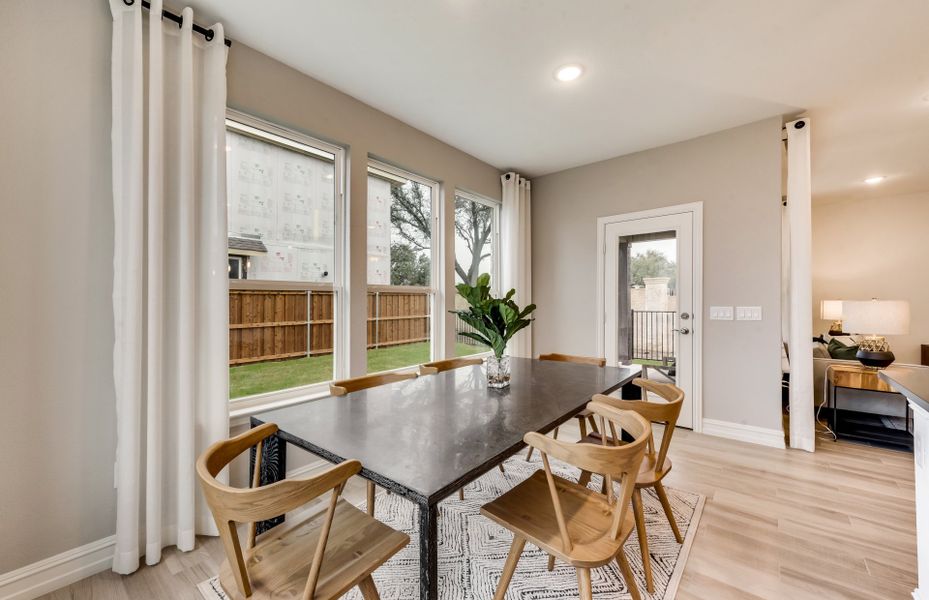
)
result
[(864, 426)]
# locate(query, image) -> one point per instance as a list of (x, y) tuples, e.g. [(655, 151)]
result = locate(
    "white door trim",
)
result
[(696, 209)]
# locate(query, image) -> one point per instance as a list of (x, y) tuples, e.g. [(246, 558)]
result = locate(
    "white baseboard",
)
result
[(308, 469), (918, 594), (57, 571), (744, 433)]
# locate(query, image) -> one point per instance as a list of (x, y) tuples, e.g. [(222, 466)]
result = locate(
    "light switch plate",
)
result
[(748, 313), (720, 313)]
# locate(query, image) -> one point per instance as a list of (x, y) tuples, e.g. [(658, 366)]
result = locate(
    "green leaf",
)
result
[(527, 311), (509, 315), (477, 338)]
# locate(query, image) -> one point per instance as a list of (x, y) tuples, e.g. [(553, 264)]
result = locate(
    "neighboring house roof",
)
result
[(247, 246)]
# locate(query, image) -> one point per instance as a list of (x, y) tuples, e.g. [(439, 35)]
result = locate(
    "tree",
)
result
[(473, 224), (411, 218), (408, 266), (651, 264)]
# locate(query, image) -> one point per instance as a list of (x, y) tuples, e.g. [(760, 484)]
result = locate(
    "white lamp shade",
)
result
[(831, 310), (876, 317)]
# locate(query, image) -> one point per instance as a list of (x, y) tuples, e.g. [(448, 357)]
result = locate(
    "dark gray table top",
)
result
[(912, 382), (431, 434)]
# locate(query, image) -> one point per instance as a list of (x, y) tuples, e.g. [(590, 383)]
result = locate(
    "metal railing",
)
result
[(651, 335)]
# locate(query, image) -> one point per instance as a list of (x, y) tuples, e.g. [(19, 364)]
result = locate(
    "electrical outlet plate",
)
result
[(720, 313)]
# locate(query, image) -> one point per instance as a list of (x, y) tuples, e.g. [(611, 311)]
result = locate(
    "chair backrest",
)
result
[(584, 360), (344, 386), (666, 412), (235, 505), (615, 462), (431, 368)]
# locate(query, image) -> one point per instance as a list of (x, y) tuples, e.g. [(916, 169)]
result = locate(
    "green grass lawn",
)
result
[(257, 378)]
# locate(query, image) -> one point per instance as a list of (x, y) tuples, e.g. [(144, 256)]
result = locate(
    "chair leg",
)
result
[(583, 584), (529, 454), (500, 466), (551, 562), (582, 424), (509, 568), (593, 424), (555, 433), (643, 539), (461, 493), (371, 490), (666, 505), (624, 568), (584, 479), (368, 589)]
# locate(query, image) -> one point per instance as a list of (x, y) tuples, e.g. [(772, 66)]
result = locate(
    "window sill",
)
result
[(242, 409)]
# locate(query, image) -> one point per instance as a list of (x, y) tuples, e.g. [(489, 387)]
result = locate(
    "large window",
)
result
[(477, 250), (402, 266), (285, 211)]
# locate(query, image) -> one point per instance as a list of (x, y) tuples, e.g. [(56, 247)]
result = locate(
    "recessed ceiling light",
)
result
[(569, 72), (875, 180)]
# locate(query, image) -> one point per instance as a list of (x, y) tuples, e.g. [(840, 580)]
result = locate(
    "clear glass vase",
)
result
[(498, 371)]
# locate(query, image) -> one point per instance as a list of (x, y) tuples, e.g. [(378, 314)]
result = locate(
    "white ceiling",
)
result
[(477, 74)]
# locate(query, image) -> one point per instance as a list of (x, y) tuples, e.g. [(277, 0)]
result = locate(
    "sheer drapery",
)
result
[(170, 298), (516, 242)]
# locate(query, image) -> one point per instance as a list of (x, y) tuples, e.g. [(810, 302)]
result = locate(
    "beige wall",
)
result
[(56, 242), (737, 175), (875, 248), (57, 436)]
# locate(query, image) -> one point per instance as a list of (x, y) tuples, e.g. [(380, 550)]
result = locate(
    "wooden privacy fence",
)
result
[(277, 324)]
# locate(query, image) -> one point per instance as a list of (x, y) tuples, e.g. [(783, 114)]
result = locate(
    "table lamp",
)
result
[(875, 319), (831, 310)]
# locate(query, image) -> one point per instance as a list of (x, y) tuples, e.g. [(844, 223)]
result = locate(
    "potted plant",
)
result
[(495, 322)]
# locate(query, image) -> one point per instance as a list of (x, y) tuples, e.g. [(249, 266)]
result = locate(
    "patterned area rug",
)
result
[(472, 549)]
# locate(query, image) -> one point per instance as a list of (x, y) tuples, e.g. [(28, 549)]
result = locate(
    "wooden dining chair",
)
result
[(319, 558), (345, 386), (438, 366), (568, 521), (656, 464), (584, 417)]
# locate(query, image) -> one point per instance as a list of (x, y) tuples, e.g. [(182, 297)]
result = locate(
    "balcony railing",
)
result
[(651, 336)]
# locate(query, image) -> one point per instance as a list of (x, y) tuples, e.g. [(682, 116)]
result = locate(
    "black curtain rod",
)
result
[(206, 33)]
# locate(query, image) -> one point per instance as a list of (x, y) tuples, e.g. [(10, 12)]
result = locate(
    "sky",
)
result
[(666, 247)]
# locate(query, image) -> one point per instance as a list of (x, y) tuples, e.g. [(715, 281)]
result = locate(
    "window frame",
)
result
[(245, 124), (436, 267)]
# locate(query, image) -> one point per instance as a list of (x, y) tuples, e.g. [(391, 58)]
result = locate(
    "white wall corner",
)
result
[(773, 438), (57, 571)]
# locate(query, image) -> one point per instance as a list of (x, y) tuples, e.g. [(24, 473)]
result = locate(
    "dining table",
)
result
[(425, 438)]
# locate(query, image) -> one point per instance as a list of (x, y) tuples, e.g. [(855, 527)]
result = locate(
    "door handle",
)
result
[(682, 330)]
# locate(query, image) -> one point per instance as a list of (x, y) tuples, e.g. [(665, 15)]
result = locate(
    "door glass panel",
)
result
[(648, 301)]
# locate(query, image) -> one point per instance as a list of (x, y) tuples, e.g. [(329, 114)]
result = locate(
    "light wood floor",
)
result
[(778, 524)]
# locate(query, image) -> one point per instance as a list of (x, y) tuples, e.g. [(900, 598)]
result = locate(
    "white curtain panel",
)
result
[(800, 292), (517, 252), (170, 287)]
